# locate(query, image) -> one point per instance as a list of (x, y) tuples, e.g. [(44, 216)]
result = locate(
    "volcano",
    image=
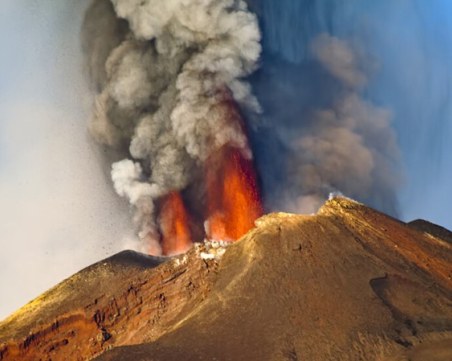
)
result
[(348, 283)]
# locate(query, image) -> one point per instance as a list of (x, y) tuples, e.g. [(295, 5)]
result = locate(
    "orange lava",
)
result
[(232, 195), (174, 225)]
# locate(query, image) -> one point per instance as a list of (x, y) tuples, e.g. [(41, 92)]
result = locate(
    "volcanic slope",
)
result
[(348, 283)]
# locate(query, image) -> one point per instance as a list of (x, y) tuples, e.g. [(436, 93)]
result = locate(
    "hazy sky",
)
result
[(58, 212)]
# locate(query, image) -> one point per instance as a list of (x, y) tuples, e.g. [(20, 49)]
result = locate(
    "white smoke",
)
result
[(349, 147), (164, 87)]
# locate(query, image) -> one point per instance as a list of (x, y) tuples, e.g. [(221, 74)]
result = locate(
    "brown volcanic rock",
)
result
[(346, 284), (433, 229), (125, 299)]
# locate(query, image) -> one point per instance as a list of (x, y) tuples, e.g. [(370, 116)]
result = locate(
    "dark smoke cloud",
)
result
[(163, 69), (317, 116), (329, 120), (348, 146), (404, 50)]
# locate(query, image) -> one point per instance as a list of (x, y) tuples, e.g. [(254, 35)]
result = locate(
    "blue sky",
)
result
[(414, 47), (412, 41)]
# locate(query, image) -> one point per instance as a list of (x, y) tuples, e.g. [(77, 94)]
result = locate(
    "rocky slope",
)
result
[(348, 283), (123, 300)]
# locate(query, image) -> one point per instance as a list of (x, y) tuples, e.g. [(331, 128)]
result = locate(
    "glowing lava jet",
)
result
[(232, 196), (174, 225), (233, 203)]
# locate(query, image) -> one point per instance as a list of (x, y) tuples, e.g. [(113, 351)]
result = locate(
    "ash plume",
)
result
[(348, 147), (411, 43), (328, 136), (162, 71)]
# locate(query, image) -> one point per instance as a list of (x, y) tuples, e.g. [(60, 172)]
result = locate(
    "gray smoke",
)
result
[(163, 71), (348, 147)]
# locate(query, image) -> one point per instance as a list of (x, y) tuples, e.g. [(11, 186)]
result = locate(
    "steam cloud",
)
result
[(348, 147), (162, 71)]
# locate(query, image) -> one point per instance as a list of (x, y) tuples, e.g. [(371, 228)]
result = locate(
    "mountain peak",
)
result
[(347, 283)]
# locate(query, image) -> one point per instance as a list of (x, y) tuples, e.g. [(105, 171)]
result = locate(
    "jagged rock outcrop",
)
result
[(348, 283)]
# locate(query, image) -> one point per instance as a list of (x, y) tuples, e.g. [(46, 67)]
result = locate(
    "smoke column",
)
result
[(333, 109), (165, 73)]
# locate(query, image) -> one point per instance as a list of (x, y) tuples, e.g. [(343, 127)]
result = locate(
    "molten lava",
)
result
[(174, 225), (232, 195)]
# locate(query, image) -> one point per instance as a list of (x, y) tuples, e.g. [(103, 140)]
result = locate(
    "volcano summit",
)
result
[(348, 283)]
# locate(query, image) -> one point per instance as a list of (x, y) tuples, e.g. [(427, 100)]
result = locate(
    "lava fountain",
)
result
[(174, 225), (230, 192), (233, 203), (232, 195)]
